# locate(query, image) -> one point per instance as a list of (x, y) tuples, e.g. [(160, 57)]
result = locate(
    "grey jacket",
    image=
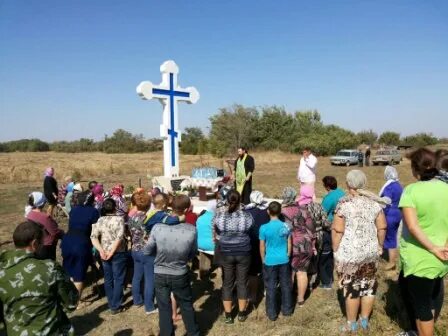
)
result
[(174, 245)]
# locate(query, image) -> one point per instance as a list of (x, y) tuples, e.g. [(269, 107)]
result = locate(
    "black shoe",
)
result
[(242, 316), (228, 319), (272, 319)]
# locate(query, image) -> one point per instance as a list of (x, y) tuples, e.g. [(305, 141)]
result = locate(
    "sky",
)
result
[(69, 69)]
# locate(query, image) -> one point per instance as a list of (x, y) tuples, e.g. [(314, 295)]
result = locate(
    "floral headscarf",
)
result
[(289, 196)]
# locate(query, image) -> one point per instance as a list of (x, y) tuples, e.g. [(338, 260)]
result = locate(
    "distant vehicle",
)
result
[(387, 157), (346, 157)]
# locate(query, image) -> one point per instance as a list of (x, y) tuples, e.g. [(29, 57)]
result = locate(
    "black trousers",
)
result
[(180, 286), (247, 190), (326, 260), (326, 265), (421, 296), (235, 270)]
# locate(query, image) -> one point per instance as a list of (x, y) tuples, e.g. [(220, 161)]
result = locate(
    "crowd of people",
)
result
[(292, 245)]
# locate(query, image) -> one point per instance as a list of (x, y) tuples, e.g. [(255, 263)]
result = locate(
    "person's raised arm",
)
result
[(311, 161), (337, 231), (411, 221)]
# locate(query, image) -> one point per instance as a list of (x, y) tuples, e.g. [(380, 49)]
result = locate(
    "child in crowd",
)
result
[(158, 213), (275, 250)]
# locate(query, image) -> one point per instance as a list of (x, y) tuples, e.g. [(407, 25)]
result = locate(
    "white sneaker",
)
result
[(155, 311)]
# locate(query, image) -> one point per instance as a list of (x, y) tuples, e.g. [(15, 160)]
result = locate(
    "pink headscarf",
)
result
[(49, 171), (306, 194), (117, 190), (98, 191)]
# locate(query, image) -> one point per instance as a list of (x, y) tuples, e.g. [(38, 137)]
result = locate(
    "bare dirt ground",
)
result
[(21, 173)]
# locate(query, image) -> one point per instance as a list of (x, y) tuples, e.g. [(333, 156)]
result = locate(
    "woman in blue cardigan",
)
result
[(392, 189)]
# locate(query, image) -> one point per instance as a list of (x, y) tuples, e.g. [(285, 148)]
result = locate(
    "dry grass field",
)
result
[(21, 173)]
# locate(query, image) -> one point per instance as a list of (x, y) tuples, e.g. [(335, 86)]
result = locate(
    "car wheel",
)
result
[(375, 164)]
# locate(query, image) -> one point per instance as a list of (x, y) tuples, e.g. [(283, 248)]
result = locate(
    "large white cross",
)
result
[(169, 93)]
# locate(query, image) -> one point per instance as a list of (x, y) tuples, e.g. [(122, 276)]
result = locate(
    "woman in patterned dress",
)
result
[(358, 232), (307, 228)]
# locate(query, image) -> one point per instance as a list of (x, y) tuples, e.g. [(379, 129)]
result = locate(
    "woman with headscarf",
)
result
[(423, 245), (52, 233), (50, 190), (290, 208), (98, 191), (307, 230), (358, 232), (116, 194), (257, 208), (392, 189), (76, 245)]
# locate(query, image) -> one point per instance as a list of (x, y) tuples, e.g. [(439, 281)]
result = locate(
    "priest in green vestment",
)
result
[(244, 168)]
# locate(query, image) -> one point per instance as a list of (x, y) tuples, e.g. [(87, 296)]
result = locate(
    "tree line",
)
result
[(120, 141), (273, 128), (263, 128)]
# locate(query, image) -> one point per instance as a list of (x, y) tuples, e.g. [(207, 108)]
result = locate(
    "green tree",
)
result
[(367, 137), (389, 138), (420, 140), (233, 127), (276, 128), (193, 141)]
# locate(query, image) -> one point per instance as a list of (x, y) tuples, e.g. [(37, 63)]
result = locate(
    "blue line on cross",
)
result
[(171, 132)]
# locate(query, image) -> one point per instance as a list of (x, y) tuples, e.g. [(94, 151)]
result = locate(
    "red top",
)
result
[(52, 231), (191, 217)]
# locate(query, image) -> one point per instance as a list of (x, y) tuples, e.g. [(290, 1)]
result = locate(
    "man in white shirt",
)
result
[(307, 168)]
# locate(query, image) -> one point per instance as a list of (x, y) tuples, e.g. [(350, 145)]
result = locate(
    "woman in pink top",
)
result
[(52, 233)]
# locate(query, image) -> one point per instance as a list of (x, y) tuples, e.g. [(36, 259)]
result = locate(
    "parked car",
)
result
[(387, 157), (345, 157)]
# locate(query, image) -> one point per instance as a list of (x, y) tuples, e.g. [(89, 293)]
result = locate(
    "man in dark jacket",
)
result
[(244, 168)]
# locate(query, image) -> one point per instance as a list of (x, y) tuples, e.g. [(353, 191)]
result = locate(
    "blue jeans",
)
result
[(272, 276), (180, 286), (143, 269), (114, 274)]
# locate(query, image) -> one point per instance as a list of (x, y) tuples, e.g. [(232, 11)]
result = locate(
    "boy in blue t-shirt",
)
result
[(275, 250)]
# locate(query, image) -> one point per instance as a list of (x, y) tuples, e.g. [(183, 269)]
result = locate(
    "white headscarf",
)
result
[(257, 201), (357, 180), (391, 176), (39, 200)]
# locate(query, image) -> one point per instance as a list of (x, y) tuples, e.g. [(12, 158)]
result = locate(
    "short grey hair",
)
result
[(356, 179)]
